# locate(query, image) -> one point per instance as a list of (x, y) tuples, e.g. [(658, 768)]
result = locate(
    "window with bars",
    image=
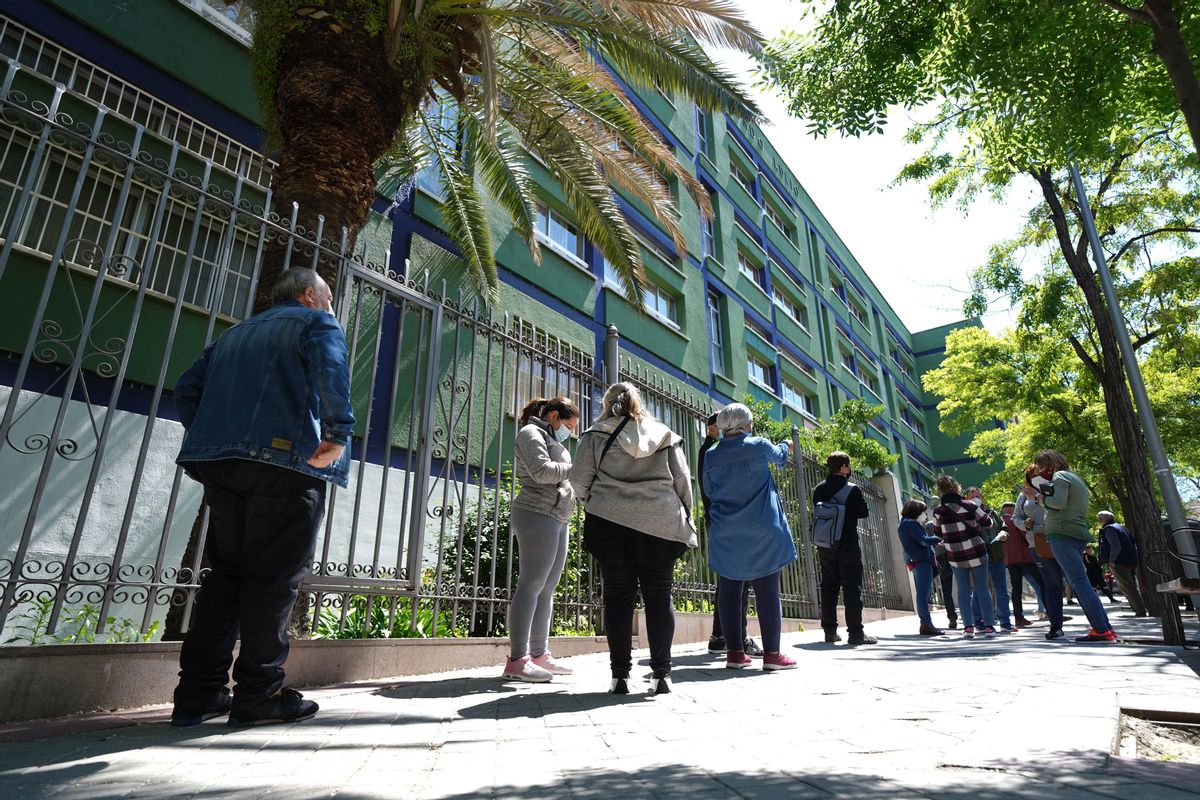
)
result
[(548, 367), (221, 259)]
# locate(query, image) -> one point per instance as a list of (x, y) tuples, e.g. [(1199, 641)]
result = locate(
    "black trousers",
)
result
[(1017, 573), (841, 571), (262, 533), (946, 576), (716, 626), (630, 560)]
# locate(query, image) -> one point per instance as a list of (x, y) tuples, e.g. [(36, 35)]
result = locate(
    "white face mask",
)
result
[(562, 433)]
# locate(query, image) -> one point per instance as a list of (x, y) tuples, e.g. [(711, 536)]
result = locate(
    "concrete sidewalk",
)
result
[(1012, 717)]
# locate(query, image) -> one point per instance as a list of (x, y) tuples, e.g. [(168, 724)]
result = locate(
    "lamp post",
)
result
[(1172, 623)]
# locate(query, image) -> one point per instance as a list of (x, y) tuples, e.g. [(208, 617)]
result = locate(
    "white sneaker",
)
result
[(523, 669), (547, 662)]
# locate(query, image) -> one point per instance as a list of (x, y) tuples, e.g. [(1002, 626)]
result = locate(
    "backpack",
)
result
[(829, 517)]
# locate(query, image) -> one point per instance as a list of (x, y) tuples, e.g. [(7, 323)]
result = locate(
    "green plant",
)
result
[(76, 626)]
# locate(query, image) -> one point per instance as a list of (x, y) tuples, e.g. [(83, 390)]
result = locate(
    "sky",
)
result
[(919, 257)]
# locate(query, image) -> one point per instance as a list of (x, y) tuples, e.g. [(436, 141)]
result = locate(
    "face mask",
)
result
[(1048, 474), (562, 433)]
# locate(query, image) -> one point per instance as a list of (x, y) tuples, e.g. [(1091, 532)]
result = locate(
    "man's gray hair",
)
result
[(1107, 515), (292, 283), (735, 418)]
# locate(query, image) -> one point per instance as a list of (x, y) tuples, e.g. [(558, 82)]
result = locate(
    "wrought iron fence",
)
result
[(122, 256)]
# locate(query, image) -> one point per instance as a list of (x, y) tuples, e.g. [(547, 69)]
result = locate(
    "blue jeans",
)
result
[(923, 580), (998, 572), (1069, 555), (963, 578)]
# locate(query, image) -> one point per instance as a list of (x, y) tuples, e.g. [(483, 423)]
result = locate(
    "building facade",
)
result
[(132, 151)]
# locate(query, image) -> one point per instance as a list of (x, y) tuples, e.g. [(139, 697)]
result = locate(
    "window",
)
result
[(751, 270), (708, 236), (799, 399), (839, 289), (561, 235), (858, 314), (848, 363), (661, 92), (716, 334), (702, 132), (745, 229), (661, 304), (548, 367), (912, 419), (741, 175), (868, 379), (785, 225), (761, 373), (235, 18), (797, 312)]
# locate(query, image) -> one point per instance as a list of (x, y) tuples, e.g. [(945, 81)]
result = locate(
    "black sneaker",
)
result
[(751, 648), (286, 706), (1054, 633), (661, 682), (831, 637), (861, 638), (953, 625), (716, 644), (619, 686), (184, 716)]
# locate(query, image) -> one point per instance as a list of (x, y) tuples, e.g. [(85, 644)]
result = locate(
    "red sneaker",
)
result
[(737, 659), (777, 661)]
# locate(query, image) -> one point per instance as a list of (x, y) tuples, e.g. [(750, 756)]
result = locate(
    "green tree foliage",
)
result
[(364, 92), (845, 431)]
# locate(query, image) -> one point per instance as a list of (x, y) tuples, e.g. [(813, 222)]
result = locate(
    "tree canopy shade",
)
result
[(1034, 80), (347, 88)]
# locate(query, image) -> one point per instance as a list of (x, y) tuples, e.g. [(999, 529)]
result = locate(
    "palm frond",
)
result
[(716, 22), (501, 165)]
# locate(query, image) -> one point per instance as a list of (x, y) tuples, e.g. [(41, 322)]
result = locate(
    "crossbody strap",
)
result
[(610, 441)]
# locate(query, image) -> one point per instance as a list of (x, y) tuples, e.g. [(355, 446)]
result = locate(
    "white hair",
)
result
[(735, 418), (1108, 515), (294, 282)]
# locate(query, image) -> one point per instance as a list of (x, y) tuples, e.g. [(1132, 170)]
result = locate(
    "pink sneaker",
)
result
[(547, 662), (777, 661), (737, 659), (523, 669)]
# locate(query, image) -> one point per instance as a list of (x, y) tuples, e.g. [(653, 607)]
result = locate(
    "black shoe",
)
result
[(716, 644), (661, 682), (831, 637), (1143, 614), (1054, 633), (619, 686), (1067, 619), (953, 625), (286, 706), (861, 638), (751, 648), (184, 716)]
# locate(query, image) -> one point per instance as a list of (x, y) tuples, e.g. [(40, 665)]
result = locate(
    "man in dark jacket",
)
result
[(841, 566), (1119, 552), (716, 642), (268, 420)]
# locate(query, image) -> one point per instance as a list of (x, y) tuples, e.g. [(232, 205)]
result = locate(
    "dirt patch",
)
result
[(1160, 741)]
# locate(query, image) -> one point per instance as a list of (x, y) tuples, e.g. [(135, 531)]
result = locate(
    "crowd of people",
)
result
[(1041, 539)]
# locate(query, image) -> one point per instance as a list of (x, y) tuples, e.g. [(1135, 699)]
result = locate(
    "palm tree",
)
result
[(347, 88)]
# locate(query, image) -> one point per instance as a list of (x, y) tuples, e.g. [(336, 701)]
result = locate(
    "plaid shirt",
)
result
[(957, 522)]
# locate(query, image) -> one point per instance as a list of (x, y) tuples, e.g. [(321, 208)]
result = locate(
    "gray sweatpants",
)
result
[(542, 547)]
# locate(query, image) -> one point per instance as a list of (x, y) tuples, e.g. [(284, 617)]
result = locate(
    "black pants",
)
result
[(716, 628), (262, 533), (841, 571), (1017, 573), (630, 560), (946, 576)]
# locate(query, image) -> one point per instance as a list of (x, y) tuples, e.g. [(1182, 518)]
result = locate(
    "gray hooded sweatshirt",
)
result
[(643, 483), (542, 465)]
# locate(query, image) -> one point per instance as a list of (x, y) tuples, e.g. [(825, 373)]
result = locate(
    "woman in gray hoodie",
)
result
[(632, 476), (539, 517)]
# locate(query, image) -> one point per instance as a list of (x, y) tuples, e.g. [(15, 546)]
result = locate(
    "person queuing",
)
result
[(1065, 497), (1118, 550), (958, 524), (267, 415), (539, 517), (918, 555), (1030, 515), (841, 565), (945, 575), (748, 537), (1019, 561), (716, 641), (632, 477), (993, 536)]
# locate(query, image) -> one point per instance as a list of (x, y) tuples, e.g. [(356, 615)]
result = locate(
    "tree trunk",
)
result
[(339, 105), (1142, 516)]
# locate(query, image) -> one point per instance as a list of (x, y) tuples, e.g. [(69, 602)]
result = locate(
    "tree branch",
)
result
[(1125, 247), (1146, 338), (1087, 360), (1135, 14)]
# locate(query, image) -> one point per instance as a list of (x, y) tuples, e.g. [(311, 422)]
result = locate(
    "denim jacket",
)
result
[(270, 389)]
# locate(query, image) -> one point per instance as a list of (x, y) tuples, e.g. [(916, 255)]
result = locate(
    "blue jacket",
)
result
[(918, 545), (270, 389), (1117, 546), (748, 534)]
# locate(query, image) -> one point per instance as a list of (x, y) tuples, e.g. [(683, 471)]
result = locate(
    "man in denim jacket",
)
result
[(268, 420)]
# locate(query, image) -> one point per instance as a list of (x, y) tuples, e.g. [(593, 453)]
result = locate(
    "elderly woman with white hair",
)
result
[(632, 476), (748, 534)]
